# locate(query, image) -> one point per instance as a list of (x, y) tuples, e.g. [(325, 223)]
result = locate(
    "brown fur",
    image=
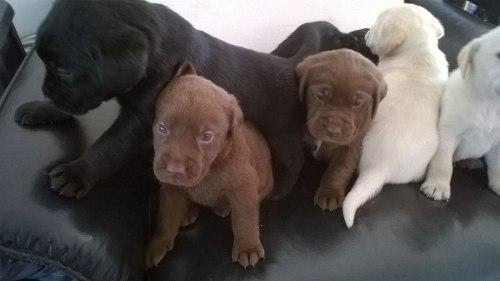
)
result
[(342, 90), (231, 173)]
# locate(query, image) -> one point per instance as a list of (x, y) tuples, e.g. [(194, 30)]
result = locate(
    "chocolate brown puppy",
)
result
[(206, 154), (342, 90)]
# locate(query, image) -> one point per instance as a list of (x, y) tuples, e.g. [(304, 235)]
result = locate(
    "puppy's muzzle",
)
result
[(333, 128), (176, 170)]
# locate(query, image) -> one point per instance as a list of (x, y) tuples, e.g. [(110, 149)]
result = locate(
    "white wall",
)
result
[(29, 14), (263, 24), (256, 24)]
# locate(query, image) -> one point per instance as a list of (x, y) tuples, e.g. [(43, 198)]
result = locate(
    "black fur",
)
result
[(311, 37), (97, 50), (360, 45)]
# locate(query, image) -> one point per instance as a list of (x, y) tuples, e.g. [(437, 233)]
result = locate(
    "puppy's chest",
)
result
[(482, 134), (209, 194), (323, 151)]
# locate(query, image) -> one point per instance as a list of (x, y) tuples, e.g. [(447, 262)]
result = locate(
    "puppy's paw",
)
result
[(436, 190), (67, 180), (38, 113), (248, 253), (156, 250), (191, 216), (329, 198), (222, 212)]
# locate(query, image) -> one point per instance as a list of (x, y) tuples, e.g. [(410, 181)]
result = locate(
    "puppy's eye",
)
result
[(498, 55), (321, 93), (357, 102), (163, 129), (207, 136)]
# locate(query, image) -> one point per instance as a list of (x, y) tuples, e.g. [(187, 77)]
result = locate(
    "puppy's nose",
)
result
[(335, 129), (176, 168), (338, 126)]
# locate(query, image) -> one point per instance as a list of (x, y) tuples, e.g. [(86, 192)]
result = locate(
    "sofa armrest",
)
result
[(42, 234), (11, 49)]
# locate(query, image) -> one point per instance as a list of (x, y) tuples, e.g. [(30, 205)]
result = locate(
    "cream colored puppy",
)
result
[(403, 136), (469, 126)]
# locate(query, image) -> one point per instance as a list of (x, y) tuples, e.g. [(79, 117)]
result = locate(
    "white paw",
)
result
[(436, 190), (349, 212)]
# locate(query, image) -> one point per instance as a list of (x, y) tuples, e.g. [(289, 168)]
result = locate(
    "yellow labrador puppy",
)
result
[(403, 136)]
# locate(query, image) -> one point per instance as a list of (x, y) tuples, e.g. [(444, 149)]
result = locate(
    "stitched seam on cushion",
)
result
[(13, 81), (476, 20), (42, 261)]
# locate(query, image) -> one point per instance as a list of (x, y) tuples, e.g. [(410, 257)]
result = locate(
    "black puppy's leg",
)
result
[(288, 158), (106, 156), (39, 113)]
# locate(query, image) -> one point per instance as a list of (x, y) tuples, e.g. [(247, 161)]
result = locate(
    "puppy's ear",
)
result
[(379, 95), (301, 71), (349, 41), (123, 55), (438, 27), (235, 113), (386, 37), (465, 56), (185, 68)]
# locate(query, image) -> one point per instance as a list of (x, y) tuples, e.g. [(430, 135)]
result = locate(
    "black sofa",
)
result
[(400, 235)]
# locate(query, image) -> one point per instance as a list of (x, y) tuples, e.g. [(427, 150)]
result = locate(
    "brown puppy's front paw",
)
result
[(156, 250), (191, 216), (329, 198), (248, 253)]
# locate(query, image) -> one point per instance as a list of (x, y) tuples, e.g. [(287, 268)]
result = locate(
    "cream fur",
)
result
[(469, 126), (403, 136)]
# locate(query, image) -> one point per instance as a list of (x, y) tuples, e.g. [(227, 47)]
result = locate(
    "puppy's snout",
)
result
[(176, 168), (334, 128), (173, 166), (336, 124)]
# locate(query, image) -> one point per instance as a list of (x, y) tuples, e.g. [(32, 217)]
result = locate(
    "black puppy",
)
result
[(97, 50), (310, 37), (360, 45)]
